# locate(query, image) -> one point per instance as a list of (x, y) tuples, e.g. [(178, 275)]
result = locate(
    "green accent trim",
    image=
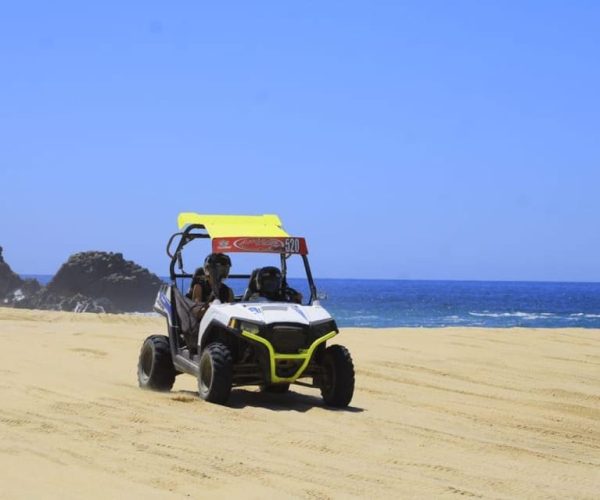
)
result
[(305, 355)]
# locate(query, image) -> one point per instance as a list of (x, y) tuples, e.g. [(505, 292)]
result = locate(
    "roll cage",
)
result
[(288, 246)]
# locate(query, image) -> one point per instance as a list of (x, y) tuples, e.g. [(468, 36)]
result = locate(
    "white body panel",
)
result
[(263, 312)]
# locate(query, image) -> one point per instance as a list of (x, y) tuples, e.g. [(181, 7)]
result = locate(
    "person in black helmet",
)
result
[(270, 285), (216, 269)]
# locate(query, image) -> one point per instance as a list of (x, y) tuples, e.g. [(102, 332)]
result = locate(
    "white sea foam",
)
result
[(533, 316), (518, 314), (452, 319), (364, 316)]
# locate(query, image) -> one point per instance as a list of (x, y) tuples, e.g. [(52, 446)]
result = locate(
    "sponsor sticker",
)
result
[(261, 245)]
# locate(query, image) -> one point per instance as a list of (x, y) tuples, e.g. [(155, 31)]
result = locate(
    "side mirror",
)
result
[(321, 296)]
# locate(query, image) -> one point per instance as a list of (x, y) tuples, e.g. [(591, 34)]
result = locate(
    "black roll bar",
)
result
[(311, 282), (186, 237)]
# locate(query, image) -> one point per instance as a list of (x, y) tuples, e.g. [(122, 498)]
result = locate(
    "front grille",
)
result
[(287, 339)]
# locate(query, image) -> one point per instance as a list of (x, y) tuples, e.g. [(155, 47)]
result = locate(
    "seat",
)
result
[(251, 290), (188, 319)]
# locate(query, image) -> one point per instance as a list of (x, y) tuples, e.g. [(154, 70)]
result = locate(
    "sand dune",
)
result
[(448, 412)]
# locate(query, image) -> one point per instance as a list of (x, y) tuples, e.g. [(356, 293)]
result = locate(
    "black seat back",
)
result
[(197, 277), (251, 290), (188, 320)]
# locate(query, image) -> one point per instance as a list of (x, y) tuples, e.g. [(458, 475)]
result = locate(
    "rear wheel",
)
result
[(337, 376), (155, 365), (216, 373)]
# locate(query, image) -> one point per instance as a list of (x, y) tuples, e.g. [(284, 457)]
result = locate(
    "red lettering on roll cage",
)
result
[(261, 245)]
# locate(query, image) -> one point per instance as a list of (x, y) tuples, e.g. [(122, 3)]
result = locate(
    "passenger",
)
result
[(198, 277), (270, 285), (216, 269)]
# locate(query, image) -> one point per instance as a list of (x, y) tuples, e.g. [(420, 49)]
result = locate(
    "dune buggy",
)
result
[(246, 342)]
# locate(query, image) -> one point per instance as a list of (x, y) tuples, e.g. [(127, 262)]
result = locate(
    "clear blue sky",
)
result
[(425, 140)]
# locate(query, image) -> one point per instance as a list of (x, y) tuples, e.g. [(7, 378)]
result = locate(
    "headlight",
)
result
[(323, 328), (246, 326)]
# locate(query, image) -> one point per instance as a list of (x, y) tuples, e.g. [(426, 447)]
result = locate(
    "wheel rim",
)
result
[(206, 374), (146, 363)]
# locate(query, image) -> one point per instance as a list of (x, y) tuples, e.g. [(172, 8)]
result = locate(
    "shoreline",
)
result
[(415, 304), (153, 316)]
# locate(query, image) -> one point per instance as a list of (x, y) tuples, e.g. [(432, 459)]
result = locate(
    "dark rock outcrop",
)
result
[(12, 287), (75, 303), (9, 281), (120, 283), (96, 282)]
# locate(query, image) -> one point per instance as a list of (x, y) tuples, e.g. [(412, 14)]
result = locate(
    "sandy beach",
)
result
[(436, 412)]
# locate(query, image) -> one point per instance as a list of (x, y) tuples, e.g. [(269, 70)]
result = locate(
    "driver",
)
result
[(270, 285), (216, 269)]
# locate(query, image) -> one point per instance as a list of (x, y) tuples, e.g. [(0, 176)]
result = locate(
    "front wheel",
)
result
[(155, 365), (337, 376), (216, 373)]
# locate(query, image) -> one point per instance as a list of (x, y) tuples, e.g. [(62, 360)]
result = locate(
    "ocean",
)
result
[(389, 303)]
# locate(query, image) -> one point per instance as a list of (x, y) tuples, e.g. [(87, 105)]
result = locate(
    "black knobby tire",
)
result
[(337, 377), (275, 388), (216, 373), (155, 365)]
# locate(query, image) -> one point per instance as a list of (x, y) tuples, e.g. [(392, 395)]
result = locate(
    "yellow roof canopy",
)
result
[(226, 226)]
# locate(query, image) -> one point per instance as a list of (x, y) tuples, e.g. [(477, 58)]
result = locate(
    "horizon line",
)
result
[(458, 280)]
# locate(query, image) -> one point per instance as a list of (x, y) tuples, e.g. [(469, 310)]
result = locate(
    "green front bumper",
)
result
[(304, 355)]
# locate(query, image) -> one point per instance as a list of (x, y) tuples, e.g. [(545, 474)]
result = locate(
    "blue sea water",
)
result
[(384, 303), (388, 303)]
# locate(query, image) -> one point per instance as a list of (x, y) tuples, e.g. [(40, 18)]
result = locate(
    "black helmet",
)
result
[(268, 280), (219, 263)]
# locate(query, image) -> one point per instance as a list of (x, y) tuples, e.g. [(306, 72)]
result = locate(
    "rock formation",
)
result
[(12, 287), (105, 275), (92, 282), (9, 281)]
